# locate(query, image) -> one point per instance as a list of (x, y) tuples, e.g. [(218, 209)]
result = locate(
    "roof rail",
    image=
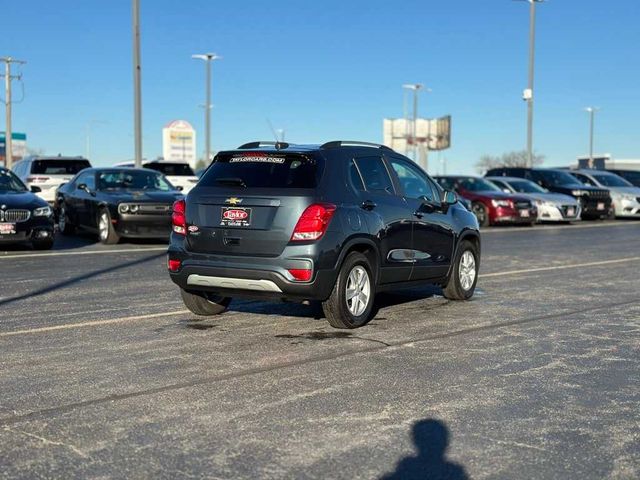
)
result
[(345, 143), (277, 145)]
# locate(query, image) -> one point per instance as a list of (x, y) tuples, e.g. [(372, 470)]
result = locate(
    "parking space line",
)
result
[(559, 267), (90, 252), (96, 323), (93, 323)]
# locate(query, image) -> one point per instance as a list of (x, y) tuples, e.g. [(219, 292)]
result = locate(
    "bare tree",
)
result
[(509, 159)]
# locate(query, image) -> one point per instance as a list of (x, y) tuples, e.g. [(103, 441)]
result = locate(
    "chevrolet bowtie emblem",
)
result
[(233, 201)]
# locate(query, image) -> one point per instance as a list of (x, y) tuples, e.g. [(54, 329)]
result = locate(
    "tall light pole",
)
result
[(137, 102), (528, 93), (592, 113), (8, 147), (208, 58)]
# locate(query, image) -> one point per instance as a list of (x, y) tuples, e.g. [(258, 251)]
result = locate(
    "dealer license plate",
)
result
[(7, 228), (235, 217), (570, 212), (525, 213), (600, 206)]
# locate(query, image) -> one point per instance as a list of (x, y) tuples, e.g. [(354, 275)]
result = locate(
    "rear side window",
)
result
[(375, 175), (264, 170), (59, 167), (174, 169)]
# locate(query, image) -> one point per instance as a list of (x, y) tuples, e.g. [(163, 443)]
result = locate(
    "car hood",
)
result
[(143, 196), (625, 190), (26, 200), (558, 198)]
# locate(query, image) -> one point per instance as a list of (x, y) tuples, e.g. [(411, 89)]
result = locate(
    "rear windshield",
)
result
[(174, 169), (263, 170), (59, 166)]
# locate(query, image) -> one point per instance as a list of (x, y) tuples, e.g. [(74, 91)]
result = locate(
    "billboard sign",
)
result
[(179, 142), (18, 145), (431, 133)]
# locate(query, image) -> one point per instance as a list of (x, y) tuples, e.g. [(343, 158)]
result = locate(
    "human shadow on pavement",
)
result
[(431, 439)]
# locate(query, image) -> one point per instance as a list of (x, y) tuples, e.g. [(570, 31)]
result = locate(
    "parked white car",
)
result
[(625, 197), (552, 207), (179, 174), (48, 173)]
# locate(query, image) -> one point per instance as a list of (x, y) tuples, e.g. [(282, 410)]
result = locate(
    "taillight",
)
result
[(178, 218), (313, 222), (37, 179), (173, 265), (301, 274)]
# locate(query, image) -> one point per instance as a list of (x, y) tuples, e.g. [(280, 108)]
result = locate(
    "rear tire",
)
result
[(350, 304), (204, 304), (481, 212), (464, 275), (106, 232)]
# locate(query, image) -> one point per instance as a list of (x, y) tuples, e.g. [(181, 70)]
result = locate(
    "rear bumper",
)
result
[(250, 277)]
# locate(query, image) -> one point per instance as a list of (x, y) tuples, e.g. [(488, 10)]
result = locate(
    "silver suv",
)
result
[(624, 195)]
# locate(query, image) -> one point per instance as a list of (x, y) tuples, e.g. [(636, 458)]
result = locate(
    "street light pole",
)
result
[(528, 95), (137, 103), (8, 141), (592, 113), (208, 58)]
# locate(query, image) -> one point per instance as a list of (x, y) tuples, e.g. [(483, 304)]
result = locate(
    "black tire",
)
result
[(64, 225), (481, 213), (106, 233), (454, 289), (336, 308), (42, 244), (205, 304)]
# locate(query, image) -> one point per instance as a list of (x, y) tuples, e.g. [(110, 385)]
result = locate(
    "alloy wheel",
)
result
[(467, 270), (358, 290), (103, 226)]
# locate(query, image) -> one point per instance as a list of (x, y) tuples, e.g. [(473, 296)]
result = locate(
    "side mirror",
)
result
[(506, 190), (450, 198), (179, 188), (35, 189), (83, 186)]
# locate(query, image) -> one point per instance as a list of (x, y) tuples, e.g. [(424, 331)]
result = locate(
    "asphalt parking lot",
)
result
[(104, 374)]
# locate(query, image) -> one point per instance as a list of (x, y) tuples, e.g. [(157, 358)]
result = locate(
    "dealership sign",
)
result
[(179, 142)]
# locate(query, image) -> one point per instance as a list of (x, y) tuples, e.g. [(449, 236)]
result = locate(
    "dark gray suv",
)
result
[(335, 223)]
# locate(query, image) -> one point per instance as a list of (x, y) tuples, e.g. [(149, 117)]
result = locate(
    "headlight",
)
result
[(502, 203), (43, 212), (628, 197), (133, 208), (578, 193), (123, 208)]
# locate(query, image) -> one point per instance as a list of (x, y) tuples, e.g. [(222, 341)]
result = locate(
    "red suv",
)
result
[(491, 205)]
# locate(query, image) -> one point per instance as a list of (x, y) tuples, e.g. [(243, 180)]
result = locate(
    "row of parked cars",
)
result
[(124, 202), (528, 195)]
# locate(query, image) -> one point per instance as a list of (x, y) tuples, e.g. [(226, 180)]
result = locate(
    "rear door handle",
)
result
[(368, 205)]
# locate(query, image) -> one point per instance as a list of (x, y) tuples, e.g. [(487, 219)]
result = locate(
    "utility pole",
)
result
[(208, 58), (415, 87), (592, 113), (8, 147), (137, 103), (528, 93)]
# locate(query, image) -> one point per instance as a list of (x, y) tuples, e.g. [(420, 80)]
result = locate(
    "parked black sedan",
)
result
[(24, 217), (116, 203)]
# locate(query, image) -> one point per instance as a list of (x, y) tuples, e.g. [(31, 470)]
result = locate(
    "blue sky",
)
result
[(327, 70)]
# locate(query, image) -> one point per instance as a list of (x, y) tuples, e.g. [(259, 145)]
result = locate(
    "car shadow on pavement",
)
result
[(80, 278), (314, 309), (431, 440)]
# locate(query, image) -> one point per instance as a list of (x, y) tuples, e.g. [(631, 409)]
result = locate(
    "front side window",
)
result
[(584, 179), (375, 175), (89, 179), (132, 180), (414, 184)]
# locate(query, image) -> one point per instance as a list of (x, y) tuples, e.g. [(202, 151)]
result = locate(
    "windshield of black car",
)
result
[(609, 180), (173, 169), (133, 180), (556, 177), (478, 185), (10, 183), (524, 186), (59, 166), (263, 170)]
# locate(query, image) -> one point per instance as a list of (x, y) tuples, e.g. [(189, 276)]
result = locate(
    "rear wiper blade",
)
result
[(232, 181)]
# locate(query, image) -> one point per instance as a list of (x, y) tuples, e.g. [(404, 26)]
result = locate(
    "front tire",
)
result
[(351, 301), (464, 275), (481, 212), (106, 231), (204, 304)]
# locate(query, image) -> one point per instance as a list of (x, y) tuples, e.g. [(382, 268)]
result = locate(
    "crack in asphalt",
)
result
[(60, 409)]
